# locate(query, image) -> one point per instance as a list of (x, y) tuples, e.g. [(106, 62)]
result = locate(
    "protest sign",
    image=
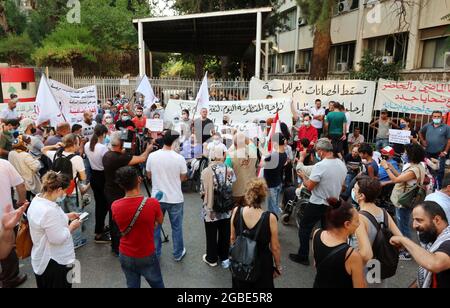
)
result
[(399, 136)]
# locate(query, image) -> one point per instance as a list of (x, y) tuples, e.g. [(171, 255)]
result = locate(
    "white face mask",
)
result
[(216, 141), (60, 199), (307, 123)]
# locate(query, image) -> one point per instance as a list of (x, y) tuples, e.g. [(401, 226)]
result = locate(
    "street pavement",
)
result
[(100, 269)]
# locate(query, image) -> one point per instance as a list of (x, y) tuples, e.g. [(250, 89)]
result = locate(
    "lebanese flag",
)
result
[(274, 129)]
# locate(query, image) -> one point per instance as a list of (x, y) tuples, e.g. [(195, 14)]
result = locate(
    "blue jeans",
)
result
[(382, 143), (70, 205), (348, 185), (176, 221), (148, 267), (273, 202), (403, 219), (88, 169)]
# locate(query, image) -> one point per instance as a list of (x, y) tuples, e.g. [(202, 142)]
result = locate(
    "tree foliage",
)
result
[(373, 68), (16, 49)]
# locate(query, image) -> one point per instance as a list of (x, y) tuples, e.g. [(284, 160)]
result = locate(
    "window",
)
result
[(273, 64), (24, 85), (434, 51), (343, 6), (395, 46), (287, 60), (342, 57), (289, 19), (304, 61)]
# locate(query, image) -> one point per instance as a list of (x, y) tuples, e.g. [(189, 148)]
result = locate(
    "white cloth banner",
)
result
[(413, 96), (357, 95), (203, 94), (74, 102), (399, 136), (239, 112), (46, 105), (145, 88)]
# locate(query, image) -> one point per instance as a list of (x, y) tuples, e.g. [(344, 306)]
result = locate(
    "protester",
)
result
[(7, 137), (336, 123), (318, 115), (307, 131), (387, 154), (53, 252), (28, 128), (167, 170), (125, 121), (217, 177), (355, 139), (139, 120), (412, 173), (62, 130), (88, 125), (331, 108), (326, 181), (10, 113), (273, 172), (216, 141), (186, 124), (353, 163), (249, 219), (9, 219), (435, 137), (137, 247), (27, 166), (10, 276), (405, 125), (442, 197), (382, 126), (95, 151), (113, 160), (204, 127), (431, 223), (338, 264), (371, 166)]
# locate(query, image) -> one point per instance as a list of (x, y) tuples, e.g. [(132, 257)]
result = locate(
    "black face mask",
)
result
[(33, 131), (430, 236), (225, 122)]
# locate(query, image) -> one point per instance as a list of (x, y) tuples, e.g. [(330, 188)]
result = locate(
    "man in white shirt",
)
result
[(10, 112), (318, 114), (216, 142), (167, 170), (88, 125), (442, 197), (71, 203), (9, 178)]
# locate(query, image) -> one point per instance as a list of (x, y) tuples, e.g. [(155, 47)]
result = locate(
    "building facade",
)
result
[(421, 42)]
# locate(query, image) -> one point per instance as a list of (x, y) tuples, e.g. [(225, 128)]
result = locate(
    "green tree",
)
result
[(45, 18), (16, 49), (14, 21), (373, 68), (178, 68)]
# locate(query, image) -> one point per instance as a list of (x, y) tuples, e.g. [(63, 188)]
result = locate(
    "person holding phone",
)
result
[(51, 229)]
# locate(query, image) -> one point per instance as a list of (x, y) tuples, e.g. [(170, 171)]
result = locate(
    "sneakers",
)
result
[(209, 263), (405, 256), (82, 243), (103, 239), (226, 264), (182, 255), (298, 259)]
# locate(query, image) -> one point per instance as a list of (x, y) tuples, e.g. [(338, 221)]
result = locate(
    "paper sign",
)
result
[(399, 136), (155, 125)]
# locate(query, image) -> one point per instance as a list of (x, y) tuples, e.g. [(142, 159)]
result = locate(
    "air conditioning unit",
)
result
[(371, 3), (284, 69), (342, 67), (447, 61), (343, 6), (388, 60), (302, 22)]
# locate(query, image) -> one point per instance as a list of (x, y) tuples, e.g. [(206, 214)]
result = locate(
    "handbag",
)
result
[(24, 243), (417, 194)]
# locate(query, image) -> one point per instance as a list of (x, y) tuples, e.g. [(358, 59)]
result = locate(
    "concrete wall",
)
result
[(287, 41), (305, 38), (432, 13), (344, 27)]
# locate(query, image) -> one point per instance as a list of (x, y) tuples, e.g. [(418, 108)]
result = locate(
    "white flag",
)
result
[(202, 99), (145, 88), (46, 105)]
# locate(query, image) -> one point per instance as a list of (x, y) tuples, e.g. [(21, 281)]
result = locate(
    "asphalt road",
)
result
[(100, 269)]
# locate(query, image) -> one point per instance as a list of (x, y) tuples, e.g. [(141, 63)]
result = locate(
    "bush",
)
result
[(373, 68), (16, 49)]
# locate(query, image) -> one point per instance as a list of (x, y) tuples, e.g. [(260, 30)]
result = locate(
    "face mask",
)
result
[(60, 199), (15, 133), (33, 131), (437, 121), (125, 119), (428, 237), (216, 142), (402, 126), (307, 123), (354, 196), (318, 157), (109, 121), (405, 158)]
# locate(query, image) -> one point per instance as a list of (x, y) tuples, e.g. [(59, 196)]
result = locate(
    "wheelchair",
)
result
[(195, 169), (295, 202)]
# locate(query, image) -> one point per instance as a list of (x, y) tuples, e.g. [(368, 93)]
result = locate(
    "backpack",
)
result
[(382, 249), (244, 259), (63, 165), (223, 195)]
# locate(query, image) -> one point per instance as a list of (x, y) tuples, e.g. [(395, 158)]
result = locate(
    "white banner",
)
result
[(357, 95), (74, 102), (239, 112), (413, 96), (25, 110), (399, 136)]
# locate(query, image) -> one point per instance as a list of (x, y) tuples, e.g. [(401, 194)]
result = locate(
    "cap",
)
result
[(384, 110), (388, 151)]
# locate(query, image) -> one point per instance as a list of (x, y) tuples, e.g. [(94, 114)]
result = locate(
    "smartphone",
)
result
[(127, 145), (83, 217)]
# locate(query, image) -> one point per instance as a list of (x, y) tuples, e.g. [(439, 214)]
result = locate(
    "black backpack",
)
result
[(223, 195), (244, 259), (62, 164), (382, 249)]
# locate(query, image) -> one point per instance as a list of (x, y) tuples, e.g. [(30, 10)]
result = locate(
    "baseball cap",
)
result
[(384, 110), (388, 151)]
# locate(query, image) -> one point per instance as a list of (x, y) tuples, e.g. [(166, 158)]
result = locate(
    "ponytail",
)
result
[(99, 131)]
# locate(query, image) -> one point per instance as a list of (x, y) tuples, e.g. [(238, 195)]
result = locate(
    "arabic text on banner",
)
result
[(413, 96), (24, 110), (357, 95), (74, 102), (238, 111)]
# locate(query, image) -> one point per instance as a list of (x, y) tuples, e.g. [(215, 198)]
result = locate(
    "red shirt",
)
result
[(140, 123), (139, 243), (308, 132)]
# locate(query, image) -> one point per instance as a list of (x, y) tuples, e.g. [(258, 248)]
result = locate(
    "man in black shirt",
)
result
[(273, 172), (430, 221), (113, 161), (204, 127), (125, 120)]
